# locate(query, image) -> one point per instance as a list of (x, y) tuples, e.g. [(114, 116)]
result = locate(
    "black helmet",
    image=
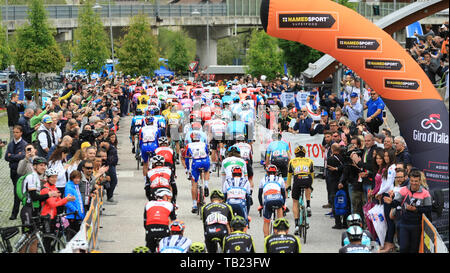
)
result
[(39, 160), (139, 112), (217, 194), (238, 222), (354, 233)]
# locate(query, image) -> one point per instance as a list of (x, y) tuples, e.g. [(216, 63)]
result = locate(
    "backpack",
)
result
[(340, 203), (22, 194)]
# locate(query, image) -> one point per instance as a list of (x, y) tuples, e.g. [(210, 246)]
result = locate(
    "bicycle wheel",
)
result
[(304, 227), (68, 235), (49, 244), (200, 198)]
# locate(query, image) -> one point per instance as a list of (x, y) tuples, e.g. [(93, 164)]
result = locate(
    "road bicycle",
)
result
[(274, 217), (218, 243), (36, 241), (200, 192), (303, 222), (63, 231)]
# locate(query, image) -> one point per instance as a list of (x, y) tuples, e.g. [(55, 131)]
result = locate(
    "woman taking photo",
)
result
[(57, 161)]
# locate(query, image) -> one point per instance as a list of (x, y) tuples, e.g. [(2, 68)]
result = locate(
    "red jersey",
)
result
[(159, 177), (158, 212), (165, 152)]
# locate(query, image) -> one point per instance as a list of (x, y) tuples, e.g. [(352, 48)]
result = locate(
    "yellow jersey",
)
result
[(300, 166)]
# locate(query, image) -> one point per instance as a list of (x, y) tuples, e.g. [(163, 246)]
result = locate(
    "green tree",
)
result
[(165, 43), (178, 60), (263, 56), (5, 52), (297, 56), (138, 53), (91, 49), (36, 50)]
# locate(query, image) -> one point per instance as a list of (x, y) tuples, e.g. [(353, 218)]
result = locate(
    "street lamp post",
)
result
[(97, 6)]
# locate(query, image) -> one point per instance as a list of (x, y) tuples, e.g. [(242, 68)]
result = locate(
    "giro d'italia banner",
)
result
[(382, 63)]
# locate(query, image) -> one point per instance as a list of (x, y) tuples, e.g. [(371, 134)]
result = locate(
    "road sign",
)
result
[(193, 66)]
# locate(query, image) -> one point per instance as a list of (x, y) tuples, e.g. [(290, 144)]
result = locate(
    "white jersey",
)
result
[(32, 182), (174, 244), (245, 149), (229, 162), (236, 188), (159, 177), (149, 133), (272, 186)]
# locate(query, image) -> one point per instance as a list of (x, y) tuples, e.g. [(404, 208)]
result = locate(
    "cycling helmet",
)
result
[(154, 111), (50, 172), (236, 99), (150, 120), (177, 226), (161, 192), (139, 112), (281, 223), (197, 247), (236, 171), (240, 137), (234, 149), (300, 150), (354, 233), (39, 160), (238, 222), (158, 160), (141, 249), (217, 194), (163, 141), (245, 106), (244, 89), (227, 92), (77, 244), (272, 169), (354, 220)]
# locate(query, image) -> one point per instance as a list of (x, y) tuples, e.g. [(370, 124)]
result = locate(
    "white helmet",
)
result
[(160, 193), (50, 172)]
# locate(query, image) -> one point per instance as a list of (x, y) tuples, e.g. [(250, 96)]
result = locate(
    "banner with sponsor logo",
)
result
[(312, 144), (382, 63)]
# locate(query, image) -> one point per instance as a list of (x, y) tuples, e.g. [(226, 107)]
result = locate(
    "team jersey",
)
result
[(173, 119), (355, 248), (216, 213), (165, 152), (238, 242), (159, 177), (149, 134), (32, 182), (136, 124), (158, 212), (226, 113), (272, 186), (217, 128), (197, 150), (229, 162), (282, 243), (143, 100), (203, 136), (206, 113), (160, 121), (277, 149), (174, 244), (247, 116), (300, 167), (236, 188), (245, 150), (236, 127)]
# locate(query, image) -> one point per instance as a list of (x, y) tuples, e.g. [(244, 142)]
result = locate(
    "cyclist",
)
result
[(156, 218), (197, 247), (137, 123), (159, 120), (157, 177), (246, 153), (281, 241), (148, 141), (169, 161), (216, 131), (355, 234), (302, 169), (355, 220), (278, 154), (174, 127), (32, 188), (233, 159), (237, 192), (238, 241), (141, 249), (234, 128), (272, 188), (199, 153), (216, 217), (176, 242)]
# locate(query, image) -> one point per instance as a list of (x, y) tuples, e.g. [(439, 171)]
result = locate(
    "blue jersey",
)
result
[(174, 244), (236, 127), (136, 124), (278, 148), (160, 121), (228, 99)]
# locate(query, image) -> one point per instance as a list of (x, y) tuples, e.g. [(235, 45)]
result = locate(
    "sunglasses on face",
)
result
[(89, 168)]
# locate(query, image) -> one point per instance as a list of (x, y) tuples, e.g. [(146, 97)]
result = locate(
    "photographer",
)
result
[(352, 176), (335, 167), (112, 160)]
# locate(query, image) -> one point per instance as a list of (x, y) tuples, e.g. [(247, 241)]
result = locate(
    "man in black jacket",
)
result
[(14, 153), (335, 166), (112, 163), (368, 175), (24, 121), (13, 109), (350, 175)]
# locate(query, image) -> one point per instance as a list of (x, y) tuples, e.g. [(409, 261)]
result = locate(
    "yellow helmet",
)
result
[(300, 150)]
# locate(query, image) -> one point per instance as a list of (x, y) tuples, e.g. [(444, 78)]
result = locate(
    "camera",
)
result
[(347, 153)]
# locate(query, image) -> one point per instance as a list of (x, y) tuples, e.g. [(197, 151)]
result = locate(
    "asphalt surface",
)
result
[(122, 227)]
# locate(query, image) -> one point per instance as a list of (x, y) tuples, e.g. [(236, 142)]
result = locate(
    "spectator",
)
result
[(30, 103), (402, 154), (326, 150), (66, 142), (321, 126), (388, 143), (73, 189), (335, 165), (418, 203), (284, 120), (353, 109), (13, 109), (87, 184), (375, 107), (351, 175), (303, 123), (14, 153), (45, 136), (26, 165), (57, 162), (112, 160), (24, 121), (368, 175)]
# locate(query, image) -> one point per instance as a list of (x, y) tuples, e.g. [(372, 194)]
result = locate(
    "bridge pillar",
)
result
[(200, 34)]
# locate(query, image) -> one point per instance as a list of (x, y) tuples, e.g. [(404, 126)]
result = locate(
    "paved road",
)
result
[(122, 224)]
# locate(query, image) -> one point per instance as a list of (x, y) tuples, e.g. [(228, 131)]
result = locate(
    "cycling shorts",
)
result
[(299, 183), (197, 165), (249, 169), (154, 233), (239, 207), (267, 211), (282, 165), (146, 149), (214, 143), (214, 231)]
